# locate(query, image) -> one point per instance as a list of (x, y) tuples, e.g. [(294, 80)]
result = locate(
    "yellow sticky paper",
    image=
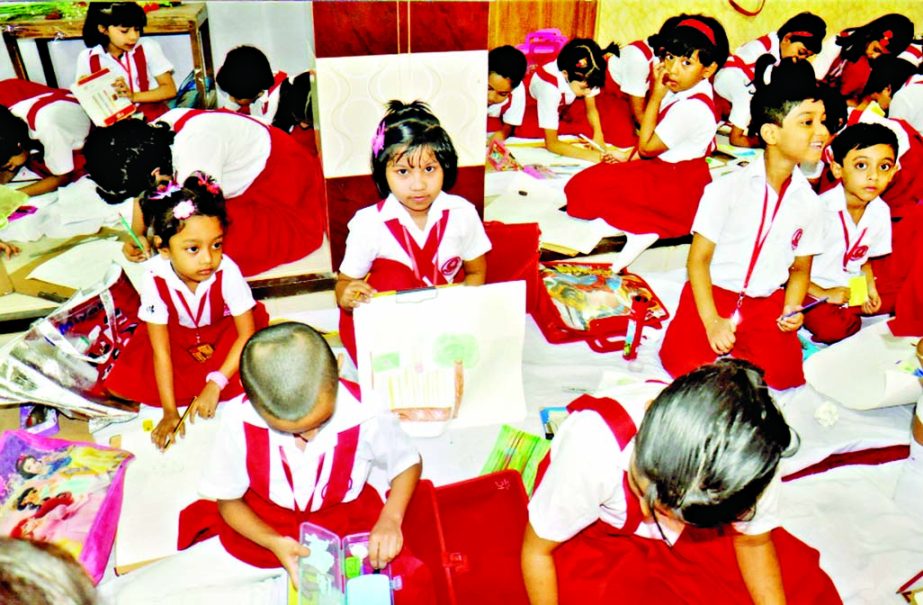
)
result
[(147, 425), (858, 291)]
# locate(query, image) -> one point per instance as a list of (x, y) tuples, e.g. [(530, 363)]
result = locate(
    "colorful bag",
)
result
[(63, 492)]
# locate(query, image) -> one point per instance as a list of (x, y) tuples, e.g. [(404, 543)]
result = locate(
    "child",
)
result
[(418, 235), (197, 308), (36, 572), (251, 85), (755, 232), (857, 226), (907, 100), (844, 62), (43, 129), (657, 196), (799, 38), (577, 73), (112, 33), (634, 515), (506, 95), (273, 187), (297, 447)]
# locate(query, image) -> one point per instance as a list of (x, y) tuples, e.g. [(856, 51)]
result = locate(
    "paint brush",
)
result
[(134, 237), (172, 438), (805, 308), (592, 143)]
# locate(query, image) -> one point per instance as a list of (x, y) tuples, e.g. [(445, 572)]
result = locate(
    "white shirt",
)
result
[(730, 213), (584, 482), (369, 238), (548, 96), (231, 148), (913, 54), (61, 127), (632, 70), (824, 60), (515, 110), (907, 103), (234, 289), (265, 107), (735, 85), (157, 63), (689, 127), (827, 270), (381, 442)]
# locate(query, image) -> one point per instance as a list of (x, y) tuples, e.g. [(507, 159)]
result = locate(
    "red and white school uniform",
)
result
[(54, 118), (611, 553), (387, 246), (658, 195), (200, 325), (628, 75), (847, 246), (552, 105), (263, 108), (273, 187), (907, 103), (733, 82), (140, 66), (509, 112), (848, 77), (757, 236)]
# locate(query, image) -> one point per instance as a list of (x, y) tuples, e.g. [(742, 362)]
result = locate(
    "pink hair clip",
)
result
[(165, 190), (210, 184), (378, 141), (183, 210)]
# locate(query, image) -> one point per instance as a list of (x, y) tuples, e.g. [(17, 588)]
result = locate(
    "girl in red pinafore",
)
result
[(655, 195), (197, 308), (418, 236), (112, 32)]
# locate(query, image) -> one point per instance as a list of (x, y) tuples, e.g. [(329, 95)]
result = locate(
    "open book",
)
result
[(97, 94)]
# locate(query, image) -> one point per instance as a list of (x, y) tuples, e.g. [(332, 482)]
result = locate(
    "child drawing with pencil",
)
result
[(197, 310), (418, 235)]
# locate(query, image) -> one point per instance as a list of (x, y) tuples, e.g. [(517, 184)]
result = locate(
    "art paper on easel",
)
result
[(98, 97), (434, 354)]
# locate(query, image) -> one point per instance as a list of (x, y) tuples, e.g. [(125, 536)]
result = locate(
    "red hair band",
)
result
[(698, 25), (802, 34), (885, 40)]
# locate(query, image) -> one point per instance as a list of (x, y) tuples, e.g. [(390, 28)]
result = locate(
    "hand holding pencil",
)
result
[(138, 249), (170, 428)]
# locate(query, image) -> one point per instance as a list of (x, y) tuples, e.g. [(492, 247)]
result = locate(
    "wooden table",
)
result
[(185, 19)]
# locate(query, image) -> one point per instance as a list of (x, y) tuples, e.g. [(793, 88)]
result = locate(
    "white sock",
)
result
[(635, 244)]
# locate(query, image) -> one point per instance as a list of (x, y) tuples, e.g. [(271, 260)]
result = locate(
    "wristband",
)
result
[(218, 378)]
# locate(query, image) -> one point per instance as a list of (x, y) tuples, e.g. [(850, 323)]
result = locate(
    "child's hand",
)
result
[(871, 306), (135, 254), (357, 291), (721, 335), (8, 249), (206, 402), (287, 551), (837, 296), (385, 542), (121, 87), (792, 323), (658, 83), (163, 432)]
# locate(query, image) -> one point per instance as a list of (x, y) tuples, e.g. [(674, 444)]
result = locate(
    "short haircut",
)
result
[(407, 128), (294, 103), (583, 61), (894, 31), (14, 136), (888, 71), (807, 28), (107, 14), (158, 203), (245, 73), (791, 83), (285, 368), (710, 443), (120, 158), (862, 136), (689, 36), (507, 62), (38, 573)]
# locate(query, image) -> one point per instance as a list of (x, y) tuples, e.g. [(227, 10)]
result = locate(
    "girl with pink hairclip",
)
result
[(197, 309)]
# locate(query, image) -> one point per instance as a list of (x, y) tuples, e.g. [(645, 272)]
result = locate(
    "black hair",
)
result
[(710, 444), (792, 82), (14, 136), (286, 368), (888, 71), (21, 503), (107, 14), (120, 158), (406, 128), (583, 61), (507, 62), (686, 37), (894, 28), (835, 108), (245, 73), (657, 41), (294, 103), (20, 466), (862, 136), (810, 24), (158, 205)]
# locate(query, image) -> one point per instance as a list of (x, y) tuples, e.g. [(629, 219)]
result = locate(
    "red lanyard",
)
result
[(127, 68), (760, 236), (198, 315), (850, 251), (289, 478), (412, 252)]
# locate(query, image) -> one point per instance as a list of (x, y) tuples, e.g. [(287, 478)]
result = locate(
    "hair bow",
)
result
[(378, 141), (210, 184), (183, 210), (165, 190), (886, 39)]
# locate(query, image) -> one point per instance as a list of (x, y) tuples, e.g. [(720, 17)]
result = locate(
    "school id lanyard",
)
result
[(850, 250), (760, 236), (198, 316), (127, 68)]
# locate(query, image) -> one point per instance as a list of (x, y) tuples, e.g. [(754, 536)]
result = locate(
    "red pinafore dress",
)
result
[(151, 111), (614, 107)]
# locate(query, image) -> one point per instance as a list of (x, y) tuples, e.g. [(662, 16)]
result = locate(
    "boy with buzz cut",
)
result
[(506, 95), (754, 234), (297, 446), (857, 227)]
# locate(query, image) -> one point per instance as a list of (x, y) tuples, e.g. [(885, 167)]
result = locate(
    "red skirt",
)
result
[(908, 300), (601, 566), (152, 111), (572, 120), (282, 216), (643, 196), (132, 377), (832, 323), (615, 115)]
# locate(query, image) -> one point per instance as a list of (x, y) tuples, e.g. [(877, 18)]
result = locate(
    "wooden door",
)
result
[(510, 20)]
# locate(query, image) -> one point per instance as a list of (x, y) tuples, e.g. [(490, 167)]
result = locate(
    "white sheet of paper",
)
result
[(412, 325), (85, 265)]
